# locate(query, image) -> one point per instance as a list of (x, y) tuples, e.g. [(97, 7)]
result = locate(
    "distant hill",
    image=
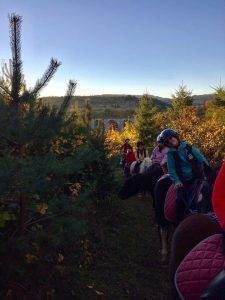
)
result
[(201, 99), (108, 105), (117, 105)]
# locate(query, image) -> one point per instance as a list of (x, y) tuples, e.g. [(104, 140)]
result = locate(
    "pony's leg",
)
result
[(163, 232), (171, 229)]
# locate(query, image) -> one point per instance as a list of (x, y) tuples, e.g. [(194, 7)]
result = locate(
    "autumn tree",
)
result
[(114, 139), (205, 132)]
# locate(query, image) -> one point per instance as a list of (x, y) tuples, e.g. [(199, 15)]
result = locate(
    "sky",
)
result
[(120, 46)]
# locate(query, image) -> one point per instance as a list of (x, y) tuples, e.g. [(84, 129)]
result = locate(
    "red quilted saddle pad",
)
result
[(200, 267), (170, 204)]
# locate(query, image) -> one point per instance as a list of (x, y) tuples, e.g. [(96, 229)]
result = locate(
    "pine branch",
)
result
[(5, 89), (70, 92), (44, 218), (12, 143), (15, 35), (39, 120), (41, 83)]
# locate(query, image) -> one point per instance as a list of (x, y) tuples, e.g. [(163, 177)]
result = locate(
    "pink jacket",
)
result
[(159, 157)]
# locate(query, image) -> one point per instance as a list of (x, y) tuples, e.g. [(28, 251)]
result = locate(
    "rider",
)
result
[(218, 197), (186, 169), (124, 149), (158, 156), (130, 157), (140, 154)]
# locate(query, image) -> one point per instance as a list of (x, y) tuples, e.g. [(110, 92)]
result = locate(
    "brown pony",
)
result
[(187, 235)]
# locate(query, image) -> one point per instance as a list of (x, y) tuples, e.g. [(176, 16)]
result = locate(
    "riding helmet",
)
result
[(167, 133), (159, 139)]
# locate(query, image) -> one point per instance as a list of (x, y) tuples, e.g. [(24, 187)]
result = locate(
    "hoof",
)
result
[(140, 196), (164, 258)]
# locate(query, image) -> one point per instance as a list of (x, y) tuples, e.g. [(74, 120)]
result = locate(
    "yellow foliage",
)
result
[(194, 125), (115, 139), (42, 208), (51, 294), (205, 132), (4, 217), (31, 258), (75, 189), (60, 258)]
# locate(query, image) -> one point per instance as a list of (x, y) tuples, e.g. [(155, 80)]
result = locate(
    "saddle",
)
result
[(170, 202), (200, 274)]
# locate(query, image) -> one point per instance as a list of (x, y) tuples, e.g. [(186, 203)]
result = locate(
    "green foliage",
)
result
[(182, 97), (219, 98), (46, 186), (100, 172), (144, 122), (216, 105)]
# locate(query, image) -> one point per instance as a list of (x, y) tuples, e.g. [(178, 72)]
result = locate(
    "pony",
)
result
[(165, 207), (202, 196), (147, 162), (187, 235), (201, 274), (141, 182)]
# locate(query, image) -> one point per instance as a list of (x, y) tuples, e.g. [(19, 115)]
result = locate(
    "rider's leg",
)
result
[(136, 167), (191, 190), (186, 199), (180, 204), (127, 170)]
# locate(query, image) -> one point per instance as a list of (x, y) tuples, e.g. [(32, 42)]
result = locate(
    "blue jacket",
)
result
[(184, 164)]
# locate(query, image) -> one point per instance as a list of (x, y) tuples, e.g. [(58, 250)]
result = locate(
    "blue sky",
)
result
[(121, 46)]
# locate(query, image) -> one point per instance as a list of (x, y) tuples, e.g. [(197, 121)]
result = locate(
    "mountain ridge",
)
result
[(198, 99)]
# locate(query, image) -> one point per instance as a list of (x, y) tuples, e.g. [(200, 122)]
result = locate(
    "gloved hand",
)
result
[(178, 185)]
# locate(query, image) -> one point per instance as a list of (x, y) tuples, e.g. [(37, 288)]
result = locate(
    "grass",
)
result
[(125, 260)]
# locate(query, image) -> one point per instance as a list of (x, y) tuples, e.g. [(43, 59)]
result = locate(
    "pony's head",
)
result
[(129, 188)]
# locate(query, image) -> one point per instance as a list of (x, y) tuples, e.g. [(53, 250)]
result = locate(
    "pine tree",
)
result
[(33, 175), (182, 97), (87, 113), (219, 98), (25, 124), (144, 121), (216, 106), (46, 185)]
